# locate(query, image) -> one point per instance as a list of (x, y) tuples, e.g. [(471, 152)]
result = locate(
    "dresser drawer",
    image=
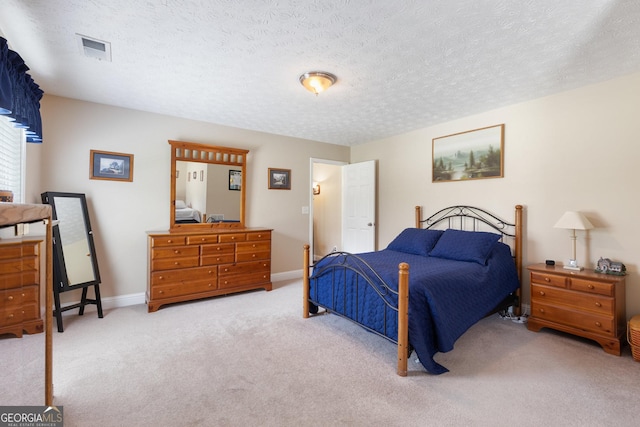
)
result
[(178, 276), (244, 267), (167, 241), (220, 249), (235, 237), (217, 259), (179, 289), (17, 297), (175, 251), (549, 279), (252, 256), (603, 325), (259, 235), (18, 250), (10, 281), (10, 316), (254, 246), (202, 239), (602, 288), (582, 301), (244, 279), (174, 263)]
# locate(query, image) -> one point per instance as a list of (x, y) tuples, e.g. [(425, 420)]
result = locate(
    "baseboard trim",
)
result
[(287, 275), (139, 298)]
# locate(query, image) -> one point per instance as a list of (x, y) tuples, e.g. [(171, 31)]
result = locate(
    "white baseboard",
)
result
[(139, 298), (287, 275)]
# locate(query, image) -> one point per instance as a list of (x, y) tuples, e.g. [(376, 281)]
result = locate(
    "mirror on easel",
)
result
[(75, 265)]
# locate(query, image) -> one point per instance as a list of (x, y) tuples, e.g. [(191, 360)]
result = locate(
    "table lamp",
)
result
[(573, 221)]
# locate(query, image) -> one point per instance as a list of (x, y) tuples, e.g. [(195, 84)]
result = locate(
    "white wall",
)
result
[(122, 212), (573, 151)]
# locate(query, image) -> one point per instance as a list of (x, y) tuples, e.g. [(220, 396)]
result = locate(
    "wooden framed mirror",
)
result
[(207, 186)]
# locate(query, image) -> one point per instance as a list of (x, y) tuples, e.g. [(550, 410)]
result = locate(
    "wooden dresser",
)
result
[(583, 303), (20, 287), (188, 266)]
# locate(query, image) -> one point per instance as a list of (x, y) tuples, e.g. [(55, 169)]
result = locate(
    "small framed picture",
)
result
[(279, 179), (111, 166), (235, 180)]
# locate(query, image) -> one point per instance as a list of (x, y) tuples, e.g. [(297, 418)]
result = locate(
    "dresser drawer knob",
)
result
[(176, 263), (10, 298), (161, 277), (546, 279), (598, 324), (254, 245), (598, 304), (169, 241), (161, 292), (210, 285), (259, 236), (203, 239), (590, 286), (233, 237), (10, 316), (541, 310), (218, 248), (176, 251), (226, 269), (253, 255), (542, 293)]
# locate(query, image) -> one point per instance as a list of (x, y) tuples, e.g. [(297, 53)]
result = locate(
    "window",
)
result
[(12, 159)]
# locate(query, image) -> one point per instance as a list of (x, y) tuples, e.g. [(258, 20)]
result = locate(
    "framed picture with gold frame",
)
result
[(111, 166), (474, 154)]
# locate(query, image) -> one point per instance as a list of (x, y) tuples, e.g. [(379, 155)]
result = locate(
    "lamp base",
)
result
[(573, 265)]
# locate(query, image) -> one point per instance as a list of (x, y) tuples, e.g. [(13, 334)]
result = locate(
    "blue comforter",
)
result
[(446, 297)]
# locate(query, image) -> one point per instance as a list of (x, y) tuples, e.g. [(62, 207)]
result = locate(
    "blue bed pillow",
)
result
[(472, 246), (415, 241)]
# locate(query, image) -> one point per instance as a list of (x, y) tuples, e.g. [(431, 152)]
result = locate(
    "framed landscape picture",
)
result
[(111, 166), (474, 154), (279, 179)]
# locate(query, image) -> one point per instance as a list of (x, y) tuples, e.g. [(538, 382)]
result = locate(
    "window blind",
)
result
[(12, 148)]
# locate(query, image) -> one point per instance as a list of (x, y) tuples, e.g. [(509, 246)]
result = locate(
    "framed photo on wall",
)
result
[(474, 154), (235, 180), (111, 166), (279, 179)]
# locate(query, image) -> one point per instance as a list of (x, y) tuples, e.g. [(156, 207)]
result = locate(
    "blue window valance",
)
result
[(19, 94)]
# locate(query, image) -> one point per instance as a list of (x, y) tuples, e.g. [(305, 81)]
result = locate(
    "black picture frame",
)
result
[(279, 179), (235, 180)]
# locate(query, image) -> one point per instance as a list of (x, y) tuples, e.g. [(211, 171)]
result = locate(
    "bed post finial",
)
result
[(418, 216)]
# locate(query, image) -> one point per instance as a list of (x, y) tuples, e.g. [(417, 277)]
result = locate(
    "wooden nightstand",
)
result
[(583, 303)]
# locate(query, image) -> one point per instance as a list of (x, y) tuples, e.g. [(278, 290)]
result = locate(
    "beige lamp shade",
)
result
[(573, 221)]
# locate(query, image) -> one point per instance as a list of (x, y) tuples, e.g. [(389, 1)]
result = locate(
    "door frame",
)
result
[(312, 161)]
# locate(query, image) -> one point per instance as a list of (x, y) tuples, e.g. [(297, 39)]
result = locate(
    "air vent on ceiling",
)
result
[(94, 48)]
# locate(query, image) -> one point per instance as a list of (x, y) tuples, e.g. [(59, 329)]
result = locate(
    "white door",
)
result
[(359, 207)]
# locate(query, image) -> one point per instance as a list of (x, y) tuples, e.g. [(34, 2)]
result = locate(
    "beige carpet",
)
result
[(251, 359)]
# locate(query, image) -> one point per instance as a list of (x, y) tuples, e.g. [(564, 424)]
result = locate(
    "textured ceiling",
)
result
[(401, 65)]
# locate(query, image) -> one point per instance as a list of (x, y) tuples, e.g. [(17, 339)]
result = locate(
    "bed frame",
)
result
[(459, 217)]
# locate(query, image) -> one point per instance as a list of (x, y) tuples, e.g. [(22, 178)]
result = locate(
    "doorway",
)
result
[(325, 213)]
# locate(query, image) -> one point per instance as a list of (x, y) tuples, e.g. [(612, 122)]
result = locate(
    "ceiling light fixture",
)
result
[(317, 81)]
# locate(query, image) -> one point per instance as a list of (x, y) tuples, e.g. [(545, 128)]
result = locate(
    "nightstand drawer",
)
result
[(581, 301), (603, 325), (549, 279), (601, 288)]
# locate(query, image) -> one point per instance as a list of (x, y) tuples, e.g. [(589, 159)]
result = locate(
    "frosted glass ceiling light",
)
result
[(317, 81)]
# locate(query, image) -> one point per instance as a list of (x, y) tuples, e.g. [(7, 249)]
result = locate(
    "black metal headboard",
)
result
[(471, 218)]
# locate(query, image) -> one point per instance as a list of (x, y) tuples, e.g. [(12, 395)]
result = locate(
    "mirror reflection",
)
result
[(207, 193), (207, 186), (73, 240)]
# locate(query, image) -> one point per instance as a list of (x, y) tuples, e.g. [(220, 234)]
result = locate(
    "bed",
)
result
[(185, 214), (430, 285)]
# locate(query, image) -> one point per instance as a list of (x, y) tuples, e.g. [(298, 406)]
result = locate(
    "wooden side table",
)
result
[(583, 303)]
